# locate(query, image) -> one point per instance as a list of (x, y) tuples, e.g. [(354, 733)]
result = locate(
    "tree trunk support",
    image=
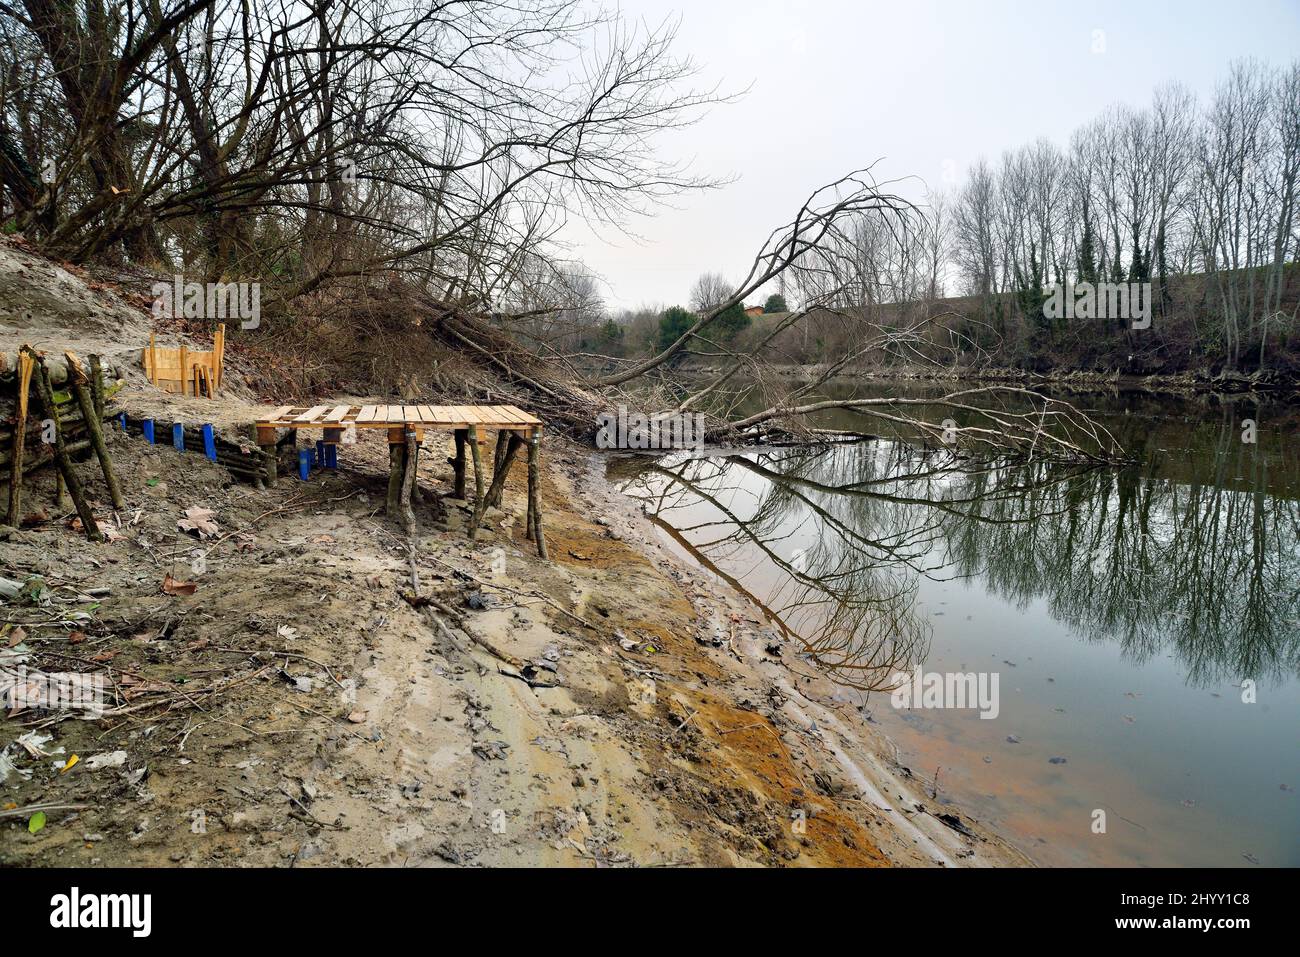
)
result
[(477, 438), (535, 491), (458, 465)]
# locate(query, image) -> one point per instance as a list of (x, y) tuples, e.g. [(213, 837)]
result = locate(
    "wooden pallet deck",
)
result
[(406, 425), (446, 418)]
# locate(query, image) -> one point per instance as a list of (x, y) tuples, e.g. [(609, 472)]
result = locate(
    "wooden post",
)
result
[(412, 456), (493, 496), (97, 385), (266, 442), (503, 442), (153, 360), (498, 486), (218, 357), (77, 382), (46, 391), (396, 469), (535, 490), (182, 372), (476, 438), (23, 380), (458, 465)]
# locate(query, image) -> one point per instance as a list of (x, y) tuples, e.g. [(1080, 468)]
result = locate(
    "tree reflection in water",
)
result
[(1197, 558)]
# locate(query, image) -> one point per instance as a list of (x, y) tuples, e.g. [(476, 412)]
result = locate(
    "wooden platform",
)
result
[(444, 418), (406, 425)]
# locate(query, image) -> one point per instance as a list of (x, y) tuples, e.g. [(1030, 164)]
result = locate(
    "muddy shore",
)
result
[(307, 706)]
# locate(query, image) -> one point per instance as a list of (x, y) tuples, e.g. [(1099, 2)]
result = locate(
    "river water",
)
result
[(1143, 623)]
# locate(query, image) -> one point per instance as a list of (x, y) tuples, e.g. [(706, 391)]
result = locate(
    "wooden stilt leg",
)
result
[(476, 439), (458, 465), (535, 491), (503, 442), (266, 442), (493, 496), (498, 486), (411, 453), (396, 469)]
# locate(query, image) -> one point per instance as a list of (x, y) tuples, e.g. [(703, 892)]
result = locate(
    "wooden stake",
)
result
[(46, 391), (97, 385), (535, 491), (78, 382), (412, 450), (396, 470), (23, 383)]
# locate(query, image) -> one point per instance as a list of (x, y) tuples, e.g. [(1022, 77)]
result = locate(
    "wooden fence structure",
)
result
[(184, 370)]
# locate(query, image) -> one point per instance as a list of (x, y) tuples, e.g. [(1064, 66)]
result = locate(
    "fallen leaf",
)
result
[(287, 632), (17, 636), (173, 587), (199, 520), (36, 823), (71, 763), (357, 717), (76, 637)]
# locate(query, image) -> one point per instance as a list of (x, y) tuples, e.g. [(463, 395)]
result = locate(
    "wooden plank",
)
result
[(522, 416), (426, 414), (338, 413), (367, 414), (411, 413), (278, 414), (311, 414)]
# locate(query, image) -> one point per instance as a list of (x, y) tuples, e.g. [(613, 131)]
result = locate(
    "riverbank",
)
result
[(305, 705)]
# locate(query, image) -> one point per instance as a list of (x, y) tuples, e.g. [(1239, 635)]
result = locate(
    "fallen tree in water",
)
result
[(806, 254)]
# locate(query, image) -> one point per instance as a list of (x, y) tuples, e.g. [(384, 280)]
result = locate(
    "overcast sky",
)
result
[(926, 86)]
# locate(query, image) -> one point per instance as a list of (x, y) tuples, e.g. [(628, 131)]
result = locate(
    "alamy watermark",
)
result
[(635, 430), (1127, 301), (22, 688), (950, 689), (210, 300)]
